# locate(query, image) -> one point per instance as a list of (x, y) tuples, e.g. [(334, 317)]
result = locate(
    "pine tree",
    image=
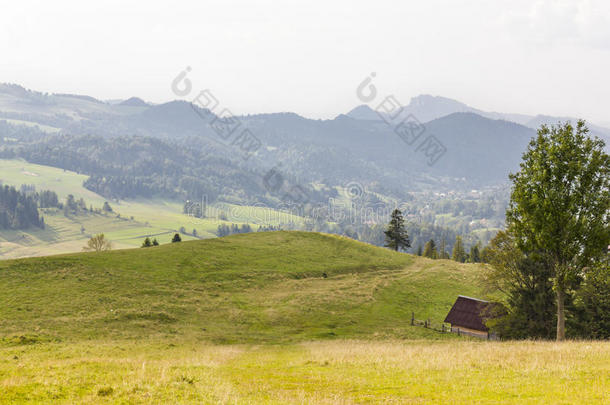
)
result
[(146, 243), (442, 250), (107, 207), (396, 235), (176, 238), (419, 251), (430, 250), (458, 254), (155, 242), (475, 254)]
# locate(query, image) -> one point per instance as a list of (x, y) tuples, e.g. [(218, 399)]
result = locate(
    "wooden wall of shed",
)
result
[(468, 330)]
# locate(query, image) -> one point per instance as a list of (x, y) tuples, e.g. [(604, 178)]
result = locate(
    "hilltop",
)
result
[(266, 287)]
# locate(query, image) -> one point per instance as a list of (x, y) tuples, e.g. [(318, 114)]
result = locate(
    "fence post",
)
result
[(458, 331), (443, 328), (426, 323), (412, 318)]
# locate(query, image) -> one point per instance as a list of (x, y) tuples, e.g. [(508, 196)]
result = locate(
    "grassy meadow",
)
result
[(271, 318), (322, 372), (138, 219), (267, 287)]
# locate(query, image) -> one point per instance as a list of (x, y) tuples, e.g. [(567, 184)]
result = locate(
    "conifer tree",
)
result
[(458, 254), (396, 235), (146, 243), (430, 250)]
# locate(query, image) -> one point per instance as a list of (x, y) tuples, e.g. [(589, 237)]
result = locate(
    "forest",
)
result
[(19, 209)]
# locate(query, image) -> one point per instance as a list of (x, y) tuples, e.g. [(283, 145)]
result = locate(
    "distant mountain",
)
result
[(78, 96), (364, 112), (135, 102), (58, 110), (480, 148), (596, 130), (426, 108)]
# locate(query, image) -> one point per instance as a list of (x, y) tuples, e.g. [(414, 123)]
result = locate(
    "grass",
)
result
[(269, 318), (329, 372), (151, 217), (264, 287)]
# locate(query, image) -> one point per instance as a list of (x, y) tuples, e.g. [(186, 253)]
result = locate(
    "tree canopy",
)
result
[(560, 204)]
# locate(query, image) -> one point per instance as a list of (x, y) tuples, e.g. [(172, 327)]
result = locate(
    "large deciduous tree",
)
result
[(560, 204), (396, 235)]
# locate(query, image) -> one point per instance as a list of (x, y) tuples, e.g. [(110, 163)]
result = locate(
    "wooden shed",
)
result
[(468, 316)]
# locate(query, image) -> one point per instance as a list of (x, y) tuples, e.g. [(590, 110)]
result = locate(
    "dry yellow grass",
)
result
[(331, 372)]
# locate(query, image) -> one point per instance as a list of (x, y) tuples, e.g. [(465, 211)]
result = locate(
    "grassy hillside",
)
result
[(260, 287), (139, 218), (152, 326)]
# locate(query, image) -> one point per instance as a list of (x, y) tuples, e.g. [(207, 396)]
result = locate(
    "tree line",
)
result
[(19, 210), (458, 253), (225, 230)]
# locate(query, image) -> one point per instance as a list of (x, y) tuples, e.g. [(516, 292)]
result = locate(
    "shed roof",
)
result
[(469, 313)]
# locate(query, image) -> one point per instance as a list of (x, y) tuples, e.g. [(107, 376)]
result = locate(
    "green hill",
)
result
[(138, 217), (260, 287)]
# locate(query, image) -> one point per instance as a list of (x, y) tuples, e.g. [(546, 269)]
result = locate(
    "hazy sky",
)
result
[(548, 57)]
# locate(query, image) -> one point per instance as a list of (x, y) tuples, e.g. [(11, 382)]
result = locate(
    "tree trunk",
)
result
[(561, 315)]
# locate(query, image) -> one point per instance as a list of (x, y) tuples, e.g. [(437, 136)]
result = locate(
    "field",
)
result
[(329, 372), (138, 218), (272, 317), (266, 287)]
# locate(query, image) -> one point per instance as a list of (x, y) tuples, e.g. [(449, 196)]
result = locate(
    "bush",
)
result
[(105, 391), (98, 243)]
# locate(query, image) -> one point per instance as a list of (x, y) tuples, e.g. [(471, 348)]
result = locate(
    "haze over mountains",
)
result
[(480, 148), (426, 108)]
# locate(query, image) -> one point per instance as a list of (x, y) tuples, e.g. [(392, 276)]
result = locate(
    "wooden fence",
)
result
[(443, 328)]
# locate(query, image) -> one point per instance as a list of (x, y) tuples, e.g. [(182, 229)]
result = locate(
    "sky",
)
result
[(547, 57)]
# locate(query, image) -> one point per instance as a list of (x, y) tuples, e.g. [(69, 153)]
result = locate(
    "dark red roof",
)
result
[(469, 313)]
